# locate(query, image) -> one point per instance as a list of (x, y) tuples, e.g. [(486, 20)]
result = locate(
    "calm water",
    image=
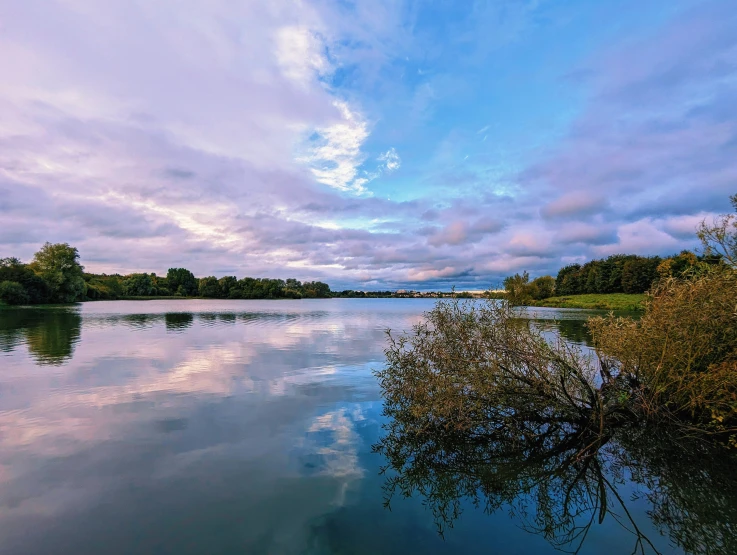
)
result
[(223, 427)]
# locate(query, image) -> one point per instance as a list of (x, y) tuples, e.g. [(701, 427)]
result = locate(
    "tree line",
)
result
[(56, 276), (619, 273)]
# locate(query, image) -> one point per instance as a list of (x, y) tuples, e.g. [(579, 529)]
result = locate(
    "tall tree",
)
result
[(58, 265), (720, 238), (182, 282)]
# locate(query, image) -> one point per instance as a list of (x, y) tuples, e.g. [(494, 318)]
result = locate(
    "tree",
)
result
[(103, 286), (138, 285), (182, 282), (229, 287), (12, 292), (520, 290), (58, 265), (543, 287), (316, 289), (12, 269), (209, 287), (516, 286), (568, 281), (720, 238), (638, 274)]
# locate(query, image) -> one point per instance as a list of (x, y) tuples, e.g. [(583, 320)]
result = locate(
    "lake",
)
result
[(211, 427)]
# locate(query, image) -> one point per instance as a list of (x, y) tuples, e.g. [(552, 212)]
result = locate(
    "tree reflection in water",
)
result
[(178, 321), (51, 333), (561, 483)]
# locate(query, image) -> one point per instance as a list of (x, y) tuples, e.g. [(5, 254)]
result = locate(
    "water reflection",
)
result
[(690, 485), (239, 427), (50, 333), (178, 321), (562, 481), (573, 331)]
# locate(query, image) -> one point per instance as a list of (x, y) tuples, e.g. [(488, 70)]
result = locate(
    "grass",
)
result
[(604, 301)]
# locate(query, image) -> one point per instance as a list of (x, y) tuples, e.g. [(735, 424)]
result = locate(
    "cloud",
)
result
[(462, 232), (264, 139), (334, 152), (391, 160), (588, 234), (301, 55), (576, 204), (642, 237)]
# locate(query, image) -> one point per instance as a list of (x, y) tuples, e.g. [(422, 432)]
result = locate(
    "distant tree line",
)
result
[(352, 294), (56, 276), (181, 282), (619, 273)]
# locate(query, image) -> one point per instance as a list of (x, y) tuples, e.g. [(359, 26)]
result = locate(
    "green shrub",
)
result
[(683, 351), (12, 292)]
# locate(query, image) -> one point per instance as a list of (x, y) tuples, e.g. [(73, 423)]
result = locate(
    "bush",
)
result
[(12, 292), (12, 269), (683, 351), (478, 368), (521, 291)]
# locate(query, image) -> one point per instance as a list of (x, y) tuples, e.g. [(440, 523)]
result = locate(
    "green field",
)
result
[(604, 301)]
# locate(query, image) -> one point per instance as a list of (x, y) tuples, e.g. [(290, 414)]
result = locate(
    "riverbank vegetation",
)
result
[(614, 283), (485, 407), (631, 302), (479, 370), (56, 276)]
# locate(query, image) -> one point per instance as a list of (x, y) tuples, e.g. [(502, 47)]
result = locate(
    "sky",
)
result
[(372, 144)]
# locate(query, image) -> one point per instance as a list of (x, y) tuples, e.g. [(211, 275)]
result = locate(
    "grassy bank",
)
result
[(607, 301)]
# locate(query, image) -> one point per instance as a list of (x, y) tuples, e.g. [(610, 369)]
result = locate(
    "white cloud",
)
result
[(391, 160), (301, 54), (334, 152)]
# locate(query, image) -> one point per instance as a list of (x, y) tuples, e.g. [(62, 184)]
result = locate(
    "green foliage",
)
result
[(683, 350), (606, 301), (316, 289), (627, 273), (182, 282), (229, 287), (138, 285), (616, 274), (58, 265), (103, 286), (543, 287), (12, 292), (638, 274), (12, 269), (209, 287), (521, 291), (568, 281), (477, 366), (517, 288)]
